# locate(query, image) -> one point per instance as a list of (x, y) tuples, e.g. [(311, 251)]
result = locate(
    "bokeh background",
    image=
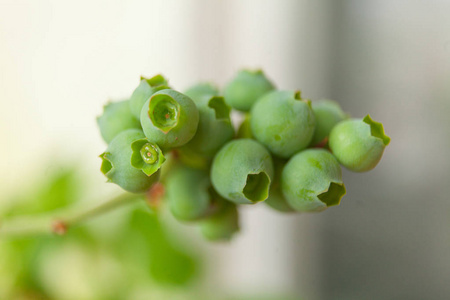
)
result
[(60, 61)]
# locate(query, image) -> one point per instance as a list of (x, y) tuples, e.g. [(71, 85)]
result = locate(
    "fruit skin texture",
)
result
[(222, 225), (241, 171), (116, 118), (169, 119), (187, 193), (358, 144), (283, 122), (145, 89), (245, 89), (312, 181), (327, 113), (116, 165)]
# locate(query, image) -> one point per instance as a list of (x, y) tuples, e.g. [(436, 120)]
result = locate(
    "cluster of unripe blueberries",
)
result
[(286, 152)]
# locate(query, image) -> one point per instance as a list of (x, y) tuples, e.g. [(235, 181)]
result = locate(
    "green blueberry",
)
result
[(145, 89), (222, 225), (241, 171), (116, 118), (212, 131), (358, 144), (214, 127), (327, 114), (187, 193), (201, 90), (116, 163), (170, 163), (147, 156), (244, 89), (283, 122), (276, 198), (169, 119), (312, 181)]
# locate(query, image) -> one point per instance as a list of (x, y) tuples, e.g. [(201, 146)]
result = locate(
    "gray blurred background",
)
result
[(389, 238)]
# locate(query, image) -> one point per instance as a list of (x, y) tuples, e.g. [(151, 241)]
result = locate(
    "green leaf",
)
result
[(56, 190), (151, 247)]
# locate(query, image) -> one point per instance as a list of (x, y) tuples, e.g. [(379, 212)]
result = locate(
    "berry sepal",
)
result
[(147, 156), (377, 130), (106, 168)]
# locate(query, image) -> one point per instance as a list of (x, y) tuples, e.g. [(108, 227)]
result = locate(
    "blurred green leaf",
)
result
[(143, 248), (152, 247), (56, 190)]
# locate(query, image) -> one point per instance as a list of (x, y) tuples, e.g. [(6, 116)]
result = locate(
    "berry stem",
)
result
[(61, 222)]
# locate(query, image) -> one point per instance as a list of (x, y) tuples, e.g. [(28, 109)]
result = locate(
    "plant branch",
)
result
[(61, 222)]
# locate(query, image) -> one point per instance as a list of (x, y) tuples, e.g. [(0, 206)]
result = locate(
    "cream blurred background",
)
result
[(60, 61)]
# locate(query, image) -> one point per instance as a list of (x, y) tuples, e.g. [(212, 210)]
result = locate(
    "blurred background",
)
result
[(60, 61)]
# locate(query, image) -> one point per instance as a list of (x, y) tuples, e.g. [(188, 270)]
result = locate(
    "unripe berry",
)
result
[(245, 89), (222, 225), (214, 127), (283, 122), (169, 119), (358, 144), (145, 89), (276, 198), (201, 90), (241, 171), (116, 164), (116, 118), (312, 181), (327, 114), (187, 193)]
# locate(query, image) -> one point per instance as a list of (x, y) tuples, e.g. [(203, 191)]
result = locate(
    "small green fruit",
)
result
[(222, 225), (276, 198), (145, 89), (116, 164), (201, 91), (358, 144), (187, 193), (244, 89), (241, 171), (214, 127), (312, 181), (283, 122), (169, 119), (277, 201), (116, 118), (327, 114)]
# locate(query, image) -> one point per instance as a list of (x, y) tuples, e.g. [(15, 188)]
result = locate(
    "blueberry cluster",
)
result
[(286, 152)]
